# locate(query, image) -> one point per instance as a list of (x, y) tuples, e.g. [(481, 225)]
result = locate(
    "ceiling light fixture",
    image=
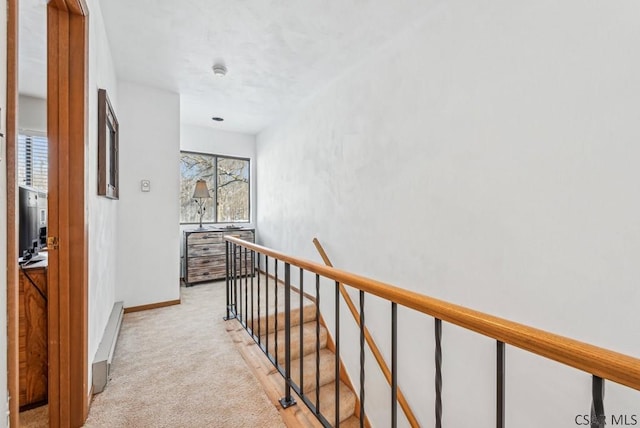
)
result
[(217, 119), (219, 70)]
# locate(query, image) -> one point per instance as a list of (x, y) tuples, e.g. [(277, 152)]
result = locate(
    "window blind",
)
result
[(33, 161)]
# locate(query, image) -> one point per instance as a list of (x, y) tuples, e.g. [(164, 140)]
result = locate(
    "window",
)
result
[(228, 182), (33, 161)]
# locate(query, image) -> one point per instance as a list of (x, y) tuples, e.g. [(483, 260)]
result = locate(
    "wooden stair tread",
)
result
[(327, 369), (352, 422), (266, 328), (264, 324), (327, 401), (309, 341)]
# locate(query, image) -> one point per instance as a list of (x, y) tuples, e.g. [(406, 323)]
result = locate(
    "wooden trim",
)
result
[(73, 7), (90, 398), (331, 346), (344, 374), (52, 124), (411, 417), (272, 382), (293, 287), (13, 365), (78, 219), (607, 364), (77, 7), (108, 148), (67, 54), (151, 306)]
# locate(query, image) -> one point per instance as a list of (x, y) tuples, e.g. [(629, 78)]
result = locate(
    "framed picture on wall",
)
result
[(107, 148)]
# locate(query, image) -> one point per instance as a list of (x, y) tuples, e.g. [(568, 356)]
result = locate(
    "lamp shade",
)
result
[(201, 190)]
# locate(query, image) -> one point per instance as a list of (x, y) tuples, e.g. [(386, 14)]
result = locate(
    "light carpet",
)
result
[(35, 418), (177, 367)]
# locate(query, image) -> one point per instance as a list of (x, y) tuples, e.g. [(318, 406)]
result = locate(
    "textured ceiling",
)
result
[(278, 52)]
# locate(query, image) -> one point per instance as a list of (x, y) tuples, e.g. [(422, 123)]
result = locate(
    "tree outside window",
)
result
[(228, 182)]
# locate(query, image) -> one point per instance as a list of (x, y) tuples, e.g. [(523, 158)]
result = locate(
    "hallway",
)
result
[(178, 367)]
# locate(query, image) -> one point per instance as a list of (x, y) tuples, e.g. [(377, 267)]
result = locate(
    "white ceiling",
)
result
[(278, 52), (32, 52)]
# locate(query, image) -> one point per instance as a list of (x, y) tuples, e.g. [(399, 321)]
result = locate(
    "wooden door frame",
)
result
[(67, 77), (67, 59), (13, 347)]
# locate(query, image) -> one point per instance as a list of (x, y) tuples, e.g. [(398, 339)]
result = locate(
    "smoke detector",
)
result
[(219, 70)]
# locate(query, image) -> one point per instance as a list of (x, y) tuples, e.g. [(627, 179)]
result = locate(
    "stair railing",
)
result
[(244, 259), (359, 318)]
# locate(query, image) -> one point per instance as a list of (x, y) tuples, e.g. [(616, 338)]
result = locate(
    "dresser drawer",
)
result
[(206, 273), (218, 259), (241, 234), (200, 250), (206, 238)]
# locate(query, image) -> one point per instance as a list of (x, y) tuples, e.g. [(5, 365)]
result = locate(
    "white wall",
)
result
[(3, 218), (148, 232), (210, 140), (487, 156), (215, 141), (32, 114), (103, 220)]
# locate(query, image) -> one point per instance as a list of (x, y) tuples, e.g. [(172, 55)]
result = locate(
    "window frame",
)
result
[(215, 190), (108, 148)]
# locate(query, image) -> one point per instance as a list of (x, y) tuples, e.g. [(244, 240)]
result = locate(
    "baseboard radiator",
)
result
[(104, 355)]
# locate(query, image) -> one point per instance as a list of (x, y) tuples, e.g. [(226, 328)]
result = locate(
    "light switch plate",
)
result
[(145, 185)]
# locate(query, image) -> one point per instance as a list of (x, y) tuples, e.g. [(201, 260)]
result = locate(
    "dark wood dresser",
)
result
[(33, 339)]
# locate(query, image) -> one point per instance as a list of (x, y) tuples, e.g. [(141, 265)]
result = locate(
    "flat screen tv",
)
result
[(32, 220)]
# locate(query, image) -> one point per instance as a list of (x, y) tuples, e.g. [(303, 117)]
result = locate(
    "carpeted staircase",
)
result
[(265, 327)]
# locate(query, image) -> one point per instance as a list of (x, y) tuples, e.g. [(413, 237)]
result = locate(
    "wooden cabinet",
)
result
[(205, 253), (33, 357)]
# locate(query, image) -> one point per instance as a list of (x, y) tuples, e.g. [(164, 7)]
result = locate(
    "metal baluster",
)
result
[(238, 261), (597, 405), (246, 294), (239, 277), (233, 285), (231, 290), (337, 383), (227, 267), (241, 281), (287, 400), (362, 414), (266, 303), (235, 280), (438, 335), (275, 311), (301, 331), (317, 344), (253, 272), (394, 364), (259, 312), (500, 384)]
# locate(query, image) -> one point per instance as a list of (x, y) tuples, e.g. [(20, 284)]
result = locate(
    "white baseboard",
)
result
[(104, 355)]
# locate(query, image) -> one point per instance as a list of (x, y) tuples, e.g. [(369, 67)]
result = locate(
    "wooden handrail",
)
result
[(607, 364), (372, 344)]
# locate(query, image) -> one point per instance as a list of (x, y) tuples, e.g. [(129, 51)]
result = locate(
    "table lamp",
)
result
[(200, 195)]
